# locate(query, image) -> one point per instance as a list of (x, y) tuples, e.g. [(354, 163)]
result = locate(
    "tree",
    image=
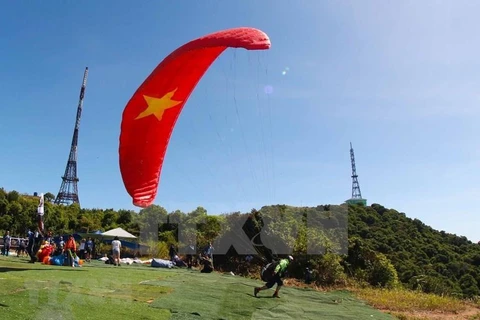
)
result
[(49, 197)]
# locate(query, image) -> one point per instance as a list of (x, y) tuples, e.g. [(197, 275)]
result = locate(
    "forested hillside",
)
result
[(382, 247), (434, 261)]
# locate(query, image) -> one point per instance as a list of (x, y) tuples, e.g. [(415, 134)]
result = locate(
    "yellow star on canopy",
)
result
[(157, 106)]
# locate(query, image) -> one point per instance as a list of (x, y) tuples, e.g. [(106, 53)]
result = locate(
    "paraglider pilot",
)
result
[(278, 274)]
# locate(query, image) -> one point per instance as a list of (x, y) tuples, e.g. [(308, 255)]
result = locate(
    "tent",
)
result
[(141, 248), (122, 234), (107, 237), (118, 232)]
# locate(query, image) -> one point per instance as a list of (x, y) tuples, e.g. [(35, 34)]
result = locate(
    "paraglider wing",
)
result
[(151, 113)]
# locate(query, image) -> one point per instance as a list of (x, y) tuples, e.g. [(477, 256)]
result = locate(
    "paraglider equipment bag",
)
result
[(110, 260), (267, 271)]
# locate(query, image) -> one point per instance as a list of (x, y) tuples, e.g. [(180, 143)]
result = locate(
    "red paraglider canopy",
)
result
[(150, 115)]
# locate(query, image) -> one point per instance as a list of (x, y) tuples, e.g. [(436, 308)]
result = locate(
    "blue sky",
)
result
[(398, 80)]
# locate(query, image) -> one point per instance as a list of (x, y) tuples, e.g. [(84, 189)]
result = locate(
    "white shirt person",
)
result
[(116, 246)]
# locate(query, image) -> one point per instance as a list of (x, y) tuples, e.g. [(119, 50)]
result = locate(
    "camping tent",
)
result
[(118, 232)]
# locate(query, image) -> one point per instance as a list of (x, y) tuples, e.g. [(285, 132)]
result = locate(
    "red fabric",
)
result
[(144, 139), (45, 251)]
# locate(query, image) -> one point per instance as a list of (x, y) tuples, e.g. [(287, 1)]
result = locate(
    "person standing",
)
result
[(70, 250), (36, 243), (116, 246), (208, 252), (49, 238), (89, 249), (190, 254), (81, 249), (21, 250), (40, 212), (7, 242), (172, 252), (30, 244), (61, 244)]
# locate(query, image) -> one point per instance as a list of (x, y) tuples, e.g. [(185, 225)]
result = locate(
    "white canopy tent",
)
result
[(118, 232), (128, 239)]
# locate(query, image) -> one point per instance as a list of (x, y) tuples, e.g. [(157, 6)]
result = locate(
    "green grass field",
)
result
[(100, 291)]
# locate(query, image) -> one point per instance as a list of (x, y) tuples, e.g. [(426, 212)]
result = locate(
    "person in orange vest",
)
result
[(70, 250)]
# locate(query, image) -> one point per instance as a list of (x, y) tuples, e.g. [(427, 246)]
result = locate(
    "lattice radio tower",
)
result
[(68, 193), (356, 193)]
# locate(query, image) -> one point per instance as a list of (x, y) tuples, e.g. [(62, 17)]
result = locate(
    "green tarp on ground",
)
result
[(230, 297), (100, 291)]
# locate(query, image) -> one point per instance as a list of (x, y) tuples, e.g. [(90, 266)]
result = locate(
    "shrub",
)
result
[(382, 272), (328, 270), (158, 249)]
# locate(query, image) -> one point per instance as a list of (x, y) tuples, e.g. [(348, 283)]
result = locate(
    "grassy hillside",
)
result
[(99, 291)]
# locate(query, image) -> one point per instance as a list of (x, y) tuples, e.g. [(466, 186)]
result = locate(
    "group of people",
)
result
[(271, 275), (18, 243), (41, 241), (205, 258), (67, 249), (85, 250), (56, 246)]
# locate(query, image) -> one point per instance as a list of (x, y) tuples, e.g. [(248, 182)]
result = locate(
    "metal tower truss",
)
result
[(68, 193), (356, 193)]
